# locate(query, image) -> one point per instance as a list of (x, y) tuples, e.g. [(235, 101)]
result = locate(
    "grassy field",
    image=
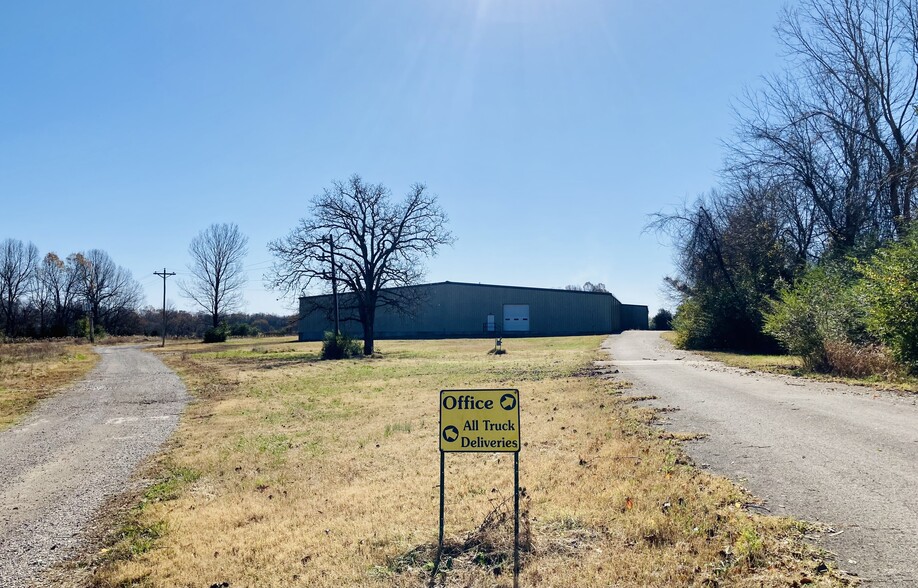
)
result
[(288, 471), (33, 370)]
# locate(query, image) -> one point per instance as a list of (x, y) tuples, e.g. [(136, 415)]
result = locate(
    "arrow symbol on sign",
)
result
[(508, 401), (450, 434)]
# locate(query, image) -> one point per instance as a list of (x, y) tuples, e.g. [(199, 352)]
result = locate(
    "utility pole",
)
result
[(92, 327), (91, 307), (331, 245), (164, 274)]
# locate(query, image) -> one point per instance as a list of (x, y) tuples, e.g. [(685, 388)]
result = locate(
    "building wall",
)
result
[(635, 317), (451, 309)]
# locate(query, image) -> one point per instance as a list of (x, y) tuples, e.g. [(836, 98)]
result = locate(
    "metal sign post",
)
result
[(476, 421)]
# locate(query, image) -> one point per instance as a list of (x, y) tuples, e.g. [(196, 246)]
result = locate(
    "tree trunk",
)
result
[(368, 329), (368, 340)]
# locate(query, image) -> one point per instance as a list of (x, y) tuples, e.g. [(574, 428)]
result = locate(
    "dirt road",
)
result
[(841, 455), (74, 452)]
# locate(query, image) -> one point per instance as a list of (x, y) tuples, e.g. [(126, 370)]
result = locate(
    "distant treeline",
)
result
[(181, 323), (50, 296)]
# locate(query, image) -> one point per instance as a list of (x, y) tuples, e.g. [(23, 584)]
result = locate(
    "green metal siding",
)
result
[(635, 316), (451, 309)]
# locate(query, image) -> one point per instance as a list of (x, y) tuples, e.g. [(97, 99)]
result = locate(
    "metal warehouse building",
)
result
[(455, 309)]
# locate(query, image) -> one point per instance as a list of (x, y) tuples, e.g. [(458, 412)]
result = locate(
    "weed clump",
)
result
[(489, 547)]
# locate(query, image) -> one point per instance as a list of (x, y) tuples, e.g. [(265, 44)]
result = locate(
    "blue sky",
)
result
[(549, 129)]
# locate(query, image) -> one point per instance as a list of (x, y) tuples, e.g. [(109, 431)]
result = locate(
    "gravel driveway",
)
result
[(74, 452), (845, 456)]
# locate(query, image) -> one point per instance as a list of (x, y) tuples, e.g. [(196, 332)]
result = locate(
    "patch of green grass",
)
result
[(396, 428), (275, 445), (134, 539), (170, 485), (749, 547), (141, 538)]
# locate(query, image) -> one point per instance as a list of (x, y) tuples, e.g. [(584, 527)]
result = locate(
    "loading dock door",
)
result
[(516, 318)]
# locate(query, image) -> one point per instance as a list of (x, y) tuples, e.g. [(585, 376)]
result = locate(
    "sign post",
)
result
[(481, 421)]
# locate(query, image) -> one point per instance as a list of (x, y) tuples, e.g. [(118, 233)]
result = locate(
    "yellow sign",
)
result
[(480, 420)]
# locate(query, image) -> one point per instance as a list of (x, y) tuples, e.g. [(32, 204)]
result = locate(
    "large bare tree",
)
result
[(217, 272), (57, 287), (378, 245), (109, 289), (861, 56), (17, 265)]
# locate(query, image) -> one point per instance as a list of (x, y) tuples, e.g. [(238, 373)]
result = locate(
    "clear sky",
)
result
[(549, 129)]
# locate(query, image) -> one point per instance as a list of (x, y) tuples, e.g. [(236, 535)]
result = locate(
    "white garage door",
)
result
[(516, 317)]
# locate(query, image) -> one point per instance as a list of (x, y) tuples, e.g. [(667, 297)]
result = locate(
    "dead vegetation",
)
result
[(33, 370), (326, 474)]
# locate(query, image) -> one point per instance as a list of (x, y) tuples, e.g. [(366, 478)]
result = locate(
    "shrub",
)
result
[(81, 329), (821, 309), (216, 334), (340, 347), (243, 330), (721, 320), (662, 321), (889, 289)]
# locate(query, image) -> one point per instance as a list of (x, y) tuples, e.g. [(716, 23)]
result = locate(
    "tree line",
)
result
[(87, 293), (51, 296), (809, 244)]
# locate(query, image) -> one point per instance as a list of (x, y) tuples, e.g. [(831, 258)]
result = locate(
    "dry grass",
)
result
[(776, 364), (288, 471), (858, 366), (888, 379), (33, 370)]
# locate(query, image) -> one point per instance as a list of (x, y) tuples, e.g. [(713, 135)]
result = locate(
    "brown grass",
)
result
[(776, 364), (33, 370), (288, 471), (856, 365), (862, 367), (860, 361)]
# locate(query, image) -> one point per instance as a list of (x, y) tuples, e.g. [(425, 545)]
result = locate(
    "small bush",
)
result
[(890, 290), (662, 321), (820, 309), (216, 334), (690, 325), (81, 329), (721, 320), (243, 330), (340, 347)]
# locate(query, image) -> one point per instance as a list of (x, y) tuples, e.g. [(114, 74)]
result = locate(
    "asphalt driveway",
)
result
[(845, 456)]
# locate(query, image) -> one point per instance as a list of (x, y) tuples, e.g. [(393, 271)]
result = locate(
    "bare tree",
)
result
[(826, 179), (864, 53), (17, 265), (109, 289), (58, 283), (587, 287), (217, 273), (41, 297), (378, 245)]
